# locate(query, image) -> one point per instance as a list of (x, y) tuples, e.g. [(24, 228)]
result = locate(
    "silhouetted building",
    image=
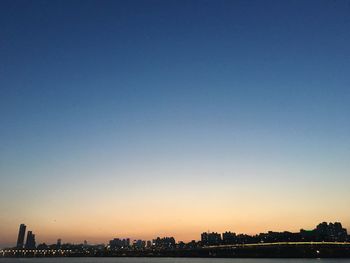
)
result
[(325, 232), (245, 239), (59, 244), (193, 244), (181, 245), (149, 243), (139, 244), (21, 235), (119, 243), (229, 238), (164, 243), (127, 242), (30, 243), (272, 237), (332, 232), (210, 239)]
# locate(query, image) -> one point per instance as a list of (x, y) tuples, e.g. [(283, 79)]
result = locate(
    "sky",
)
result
[(170, 118)]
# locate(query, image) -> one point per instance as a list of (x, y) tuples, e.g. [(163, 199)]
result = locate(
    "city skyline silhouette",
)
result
[(324, 232)]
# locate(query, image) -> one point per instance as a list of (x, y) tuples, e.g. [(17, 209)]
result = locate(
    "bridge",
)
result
[(256, 250), (279, 244)]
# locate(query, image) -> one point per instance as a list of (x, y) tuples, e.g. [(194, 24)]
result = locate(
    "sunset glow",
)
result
[(170, 118)]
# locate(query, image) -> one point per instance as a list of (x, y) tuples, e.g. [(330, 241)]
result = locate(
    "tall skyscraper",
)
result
[(30, 243), (21, 234)]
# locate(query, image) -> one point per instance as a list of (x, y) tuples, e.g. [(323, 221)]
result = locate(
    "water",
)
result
[(166, 260)]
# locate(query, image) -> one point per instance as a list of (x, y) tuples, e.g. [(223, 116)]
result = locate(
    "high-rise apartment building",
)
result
[(21, 235), (30, 243)]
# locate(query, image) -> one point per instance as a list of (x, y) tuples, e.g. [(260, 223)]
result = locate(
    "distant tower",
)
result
[(30, 244), (21, 234), (59, 243)]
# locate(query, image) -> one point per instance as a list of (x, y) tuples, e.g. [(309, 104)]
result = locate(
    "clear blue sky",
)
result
[(173, 102)]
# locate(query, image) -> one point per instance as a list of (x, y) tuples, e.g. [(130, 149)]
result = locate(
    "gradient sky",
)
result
[(146, 118)]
